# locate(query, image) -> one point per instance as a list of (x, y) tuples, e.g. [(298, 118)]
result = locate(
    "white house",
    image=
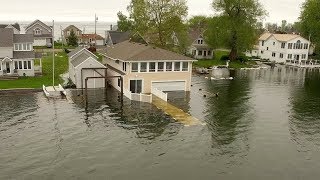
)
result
[(16, 53), (79, 60), (199, 49), (283, 47)]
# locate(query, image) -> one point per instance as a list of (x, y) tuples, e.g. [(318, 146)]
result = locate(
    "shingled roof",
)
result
[(130, 51), (23, 38), (118, 37), (15, 25), (279, 37), (6, 37)]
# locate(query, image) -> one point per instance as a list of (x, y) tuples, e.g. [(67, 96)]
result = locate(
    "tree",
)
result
[(72, 39), (199, 22), (158, 19), (124, 23), (310, 21), (235, 25)]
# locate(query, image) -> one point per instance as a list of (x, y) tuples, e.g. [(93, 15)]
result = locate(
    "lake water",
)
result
[(265, 124)]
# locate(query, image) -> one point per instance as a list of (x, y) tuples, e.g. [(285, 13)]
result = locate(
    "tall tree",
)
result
[(124, 23), (199, 22), (310, 21), (236, 24), (158, 19), (72, 39)]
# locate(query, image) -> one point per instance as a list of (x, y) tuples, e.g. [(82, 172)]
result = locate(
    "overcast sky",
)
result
[(84, 10)]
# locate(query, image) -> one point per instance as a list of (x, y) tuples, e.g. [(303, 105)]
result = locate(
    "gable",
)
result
[(88, 62), (40, 25)]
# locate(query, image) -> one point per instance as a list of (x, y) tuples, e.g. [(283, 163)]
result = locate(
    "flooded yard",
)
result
[(265, 124)]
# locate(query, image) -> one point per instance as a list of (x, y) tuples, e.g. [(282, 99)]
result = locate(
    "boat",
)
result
[(53, 91)]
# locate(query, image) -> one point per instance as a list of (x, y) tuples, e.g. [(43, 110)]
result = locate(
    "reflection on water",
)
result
[(265, 124)]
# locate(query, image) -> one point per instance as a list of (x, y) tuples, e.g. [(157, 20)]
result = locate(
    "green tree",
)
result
[(200, 22), (310, 21), (235, 25), (124, 23), (72, 39), (158, 19)]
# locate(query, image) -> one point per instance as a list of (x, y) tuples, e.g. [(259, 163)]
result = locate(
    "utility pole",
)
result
[(95, 29)]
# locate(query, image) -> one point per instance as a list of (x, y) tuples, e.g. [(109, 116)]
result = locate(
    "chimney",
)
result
[(111, 27)]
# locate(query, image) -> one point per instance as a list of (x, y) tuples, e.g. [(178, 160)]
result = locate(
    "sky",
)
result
[(106, 10)]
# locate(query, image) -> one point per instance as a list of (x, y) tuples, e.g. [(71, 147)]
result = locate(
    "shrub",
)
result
[(242, 59), (224, 58)]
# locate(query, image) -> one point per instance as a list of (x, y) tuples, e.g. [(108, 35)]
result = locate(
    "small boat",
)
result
[(54, 91)]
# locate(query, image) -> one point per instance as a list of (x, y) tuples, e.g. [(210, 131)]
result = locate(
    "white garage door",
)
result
[(170, 85)]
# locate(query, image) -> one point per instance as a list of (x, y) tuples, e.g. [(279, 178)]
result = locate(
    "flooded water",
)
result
[(265, 124)]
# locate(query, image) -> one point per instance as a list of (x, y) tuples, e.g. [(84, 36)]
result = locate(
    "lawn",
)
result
[(206, 63), (61, 67)]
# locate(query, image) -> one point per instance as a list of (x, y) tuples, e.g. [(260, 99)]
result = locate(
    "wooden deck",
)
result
[(176, 113)]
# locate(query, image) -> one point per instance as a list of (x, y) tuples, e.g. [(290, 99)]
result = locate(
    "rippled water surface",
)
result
[(265, 124)]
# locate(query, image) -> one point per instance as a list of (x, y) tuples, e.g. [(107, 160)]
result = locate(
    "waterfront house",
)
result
[(283, 47), (199, 49), (115, 37), (67, 31), (16, 53), (81, 58), (89, 39), (146, 68), (15, 27), (41, 32)]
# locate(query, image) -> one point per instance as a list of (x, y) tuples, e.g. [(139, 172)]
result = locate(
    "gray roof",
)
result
[(83, 55), (81, 58), (118, 37), (130, 51), (6, 37), (15, 25), (22, 38), (23, 54), (75, 51)]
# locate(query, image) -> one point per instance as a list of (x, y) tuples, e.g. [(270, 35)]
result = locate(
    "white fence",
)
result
[(304, 63), (138, 97), (159, 94)]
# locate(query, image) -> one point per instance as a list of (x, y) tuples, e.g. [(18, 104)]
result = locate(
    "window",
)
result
[(177, 66), (119, 82), (289, 56), (200, 41), (136, 86), (160, 66), (298, 45), (124, 66), (20, 64), (281, 55), (168, 66), (152, 67), (90, 40), (290, 46), (16, 47), (306, 46), (134, 67), (283, 45), (117, 61), (294, 46), (185, 66), (267, 48), (0, 66), (29, 64), (262, 43), (37, 31), (304, 56), (143, 67), (15, 65), (274, 43), (273, 54), (25, 65), (200, 53), (209, 53)]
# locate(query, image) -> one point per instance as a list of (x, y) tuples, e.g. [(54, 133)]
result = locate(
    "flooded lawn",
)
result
[(265, 124)]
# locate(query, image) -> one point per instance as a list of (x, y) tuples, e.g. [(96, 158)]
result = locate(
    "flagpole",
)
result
[(95, 29), (53, 53)]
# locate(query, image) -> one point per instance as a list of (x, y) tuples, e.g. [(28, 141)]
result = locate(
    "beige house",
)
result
[(80, 60), (42, 33), (67, 32), (145, 68)]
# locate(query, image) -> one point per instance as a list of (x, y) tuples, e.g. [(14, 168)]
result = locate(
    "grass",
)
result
[(206, 63), (61, 67)]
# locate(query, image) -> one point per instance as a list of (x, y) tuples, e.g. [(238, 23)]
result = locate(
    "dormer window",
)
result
[(200, 41), (37, 31)]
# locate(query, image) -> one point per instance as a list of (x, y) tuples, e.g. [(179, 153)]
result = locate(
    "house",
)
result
[(253, 52), (283, 47), (79, 60), (199, 49), (42, 33), (89, 39), (115, 37), (16, 53), (67, 31), (145, 68), (15, 27)]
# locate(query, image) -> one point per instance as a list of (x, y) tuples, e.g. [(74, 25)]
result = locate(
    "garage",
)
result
[(170, 85)]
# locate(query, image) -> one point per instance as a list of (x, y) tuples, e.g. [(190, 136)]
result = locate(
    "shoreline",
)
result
[(20, 90)]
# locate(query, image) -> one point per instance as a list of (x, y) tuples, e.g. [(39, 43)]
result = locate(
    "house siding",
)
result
[(6, 52)]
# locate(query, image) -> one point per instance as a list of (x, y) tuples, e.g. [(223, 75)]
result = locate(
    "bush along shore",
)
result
[(61, 67), (221, 58)]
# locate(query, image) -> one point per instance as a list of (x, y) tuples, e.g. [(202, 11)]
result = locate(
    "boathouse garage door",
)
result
[(170, 85)]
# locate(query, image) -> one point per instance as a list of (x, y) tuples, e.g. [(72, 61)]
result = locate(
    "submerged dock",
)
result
[(176, 113)]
